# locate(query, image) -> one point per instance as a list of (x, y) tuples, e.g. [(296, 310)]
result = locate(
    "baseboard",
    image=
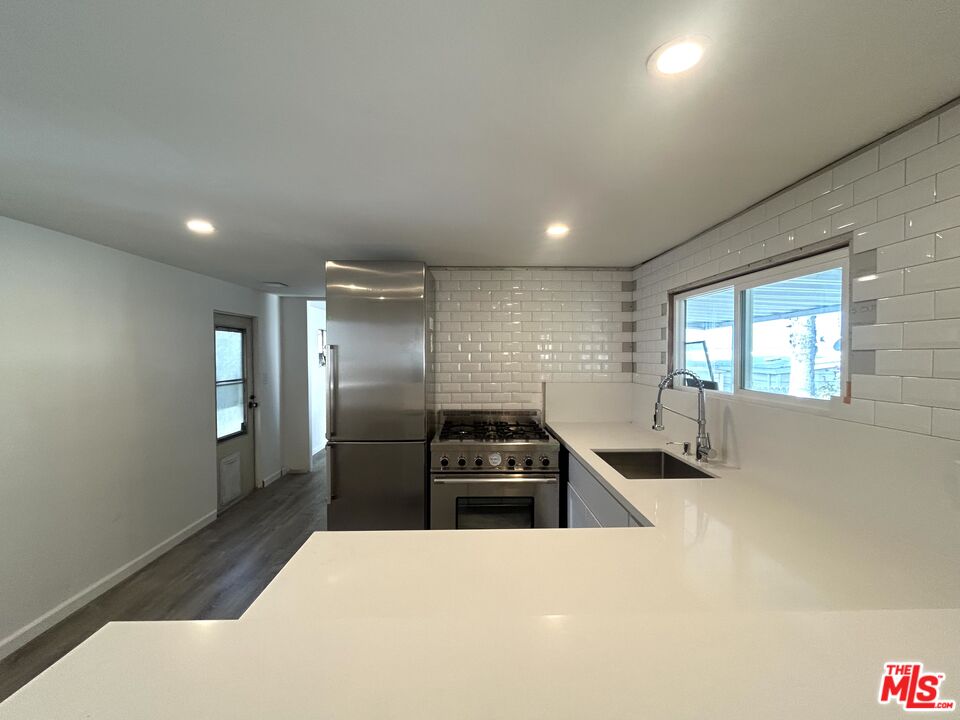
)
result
[(271, 477), (28, 632)]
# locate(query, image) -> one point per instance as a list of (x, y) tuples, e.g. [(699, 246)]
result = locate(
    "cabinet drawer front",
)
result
[(607, 510)]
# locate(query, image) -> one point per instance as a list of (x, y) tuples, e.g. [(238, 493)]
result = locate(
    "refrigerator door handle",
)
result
[(332, 369)]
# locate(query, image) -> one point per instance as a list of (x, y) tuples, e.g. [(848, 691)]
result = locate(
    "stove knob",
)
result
[(462, 462), (478, 461), (444, 461), (544, 460), (511, 462), (528, 461)]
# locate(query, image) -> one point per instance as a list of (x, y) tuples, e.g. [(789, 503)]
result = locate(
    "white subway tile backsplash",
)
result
[(764, 230), (909, 142), (906, 254), (933, 392), (873, 387), (934, 160), (882, 233), (814, 187), (878, 183), (812, 232), (878, 285), (946, 363), (939, 275), (912, 418), (950, 123), (780, 204), (910, 197), (855, 217), (876, 337), (946, 423), (948, 184), (904, 363), (779, 244), (502, 331), (856, 167), (901, 199), (938, 216), (932, 334), (833, 202), (796, 217), (905, 307), (947, 303)]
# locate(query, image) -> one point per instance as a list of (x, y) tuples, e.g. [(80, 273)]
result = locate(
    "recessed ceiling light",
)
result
[(557, 230), (200, 226), (678, 55), (275, 284)]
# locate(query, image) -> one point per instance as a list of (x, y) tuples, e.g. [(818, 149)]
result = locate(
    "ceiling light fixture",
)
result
[(200, 226), (558, 230), (678, 55)]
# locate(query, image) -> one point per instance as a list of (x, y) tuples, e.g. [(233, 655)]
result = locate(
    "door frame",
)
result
[(252, 416)]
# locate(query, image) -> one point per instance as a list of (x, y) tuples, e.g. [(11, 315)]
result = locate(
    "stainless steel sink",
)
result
[(650, 465)]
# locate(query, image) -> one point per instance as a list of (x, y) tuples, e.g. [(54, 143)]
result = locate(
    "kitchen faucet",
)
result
[(704, 450)]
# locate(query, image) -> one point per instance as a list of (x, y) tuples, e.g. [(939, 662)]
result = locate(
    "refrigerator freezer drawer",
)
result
[(377, 486)]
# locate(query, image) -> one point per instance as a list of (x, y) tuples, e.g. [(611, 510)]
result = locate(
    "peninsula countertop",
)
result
[(736, 603)]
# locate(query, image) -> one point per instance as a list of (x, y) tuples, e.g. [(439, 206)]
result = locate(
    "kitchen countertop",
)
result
[(737, 603)]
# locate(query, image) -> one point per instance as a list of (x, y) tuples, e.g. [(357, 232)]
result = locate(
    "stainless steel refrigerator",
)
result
[(380, 409)]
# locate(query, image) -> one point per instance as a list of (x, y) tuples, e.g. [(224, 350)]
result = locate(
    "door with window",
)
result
[(236, 404)]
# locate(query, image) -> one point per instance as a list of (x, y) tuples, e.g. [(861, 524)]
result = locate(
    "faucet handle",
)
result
[(686, 446)]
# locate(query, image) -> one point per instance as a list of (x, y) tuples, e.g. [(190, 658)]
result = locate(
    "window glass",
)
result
[(231, 408), (707, 337), (793, 331), (229, 354)]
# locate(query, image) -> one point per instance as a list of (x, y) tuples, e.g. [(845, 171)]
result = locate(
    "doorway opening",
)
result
[(235, 402), (317, 377)]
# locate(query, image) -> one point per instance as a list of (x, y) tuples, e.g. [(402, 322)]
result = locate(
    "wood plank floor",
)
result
[(214, 574)]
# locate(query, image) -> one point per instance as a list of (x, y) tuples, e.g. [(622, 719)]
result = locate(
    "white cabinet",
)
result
[(602, 506), (578, 514)]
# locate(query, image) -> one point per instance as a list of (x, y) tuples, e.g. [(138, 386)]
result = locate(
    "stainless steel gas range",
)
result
[(492, 469)]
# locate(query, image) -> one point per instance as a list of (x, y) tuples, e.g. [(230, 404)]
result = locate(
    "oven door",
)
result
[(503, 501)]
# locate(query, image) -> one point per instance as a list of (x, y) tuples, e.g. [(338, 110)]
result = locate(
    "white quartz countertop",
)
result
[(736, 666), (737, 603)]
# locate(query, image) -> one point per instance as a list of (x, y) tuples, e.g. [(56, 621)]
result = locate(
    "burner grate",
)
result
[(492, 431)]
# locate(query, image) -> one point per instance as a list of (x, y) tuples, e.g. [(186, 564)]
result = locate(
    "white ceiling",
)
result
[(449, 131)]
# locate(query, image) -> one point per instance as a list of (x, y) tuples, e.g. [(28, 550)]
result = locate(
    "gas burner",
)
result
[(496, 431)]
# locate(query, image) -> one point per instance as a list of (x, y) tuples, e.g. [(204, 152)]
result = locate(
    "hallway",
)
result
[(213, 575)]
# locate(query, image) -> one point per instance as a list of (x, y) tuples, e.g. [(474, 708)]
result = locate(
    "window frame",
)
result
[(809, 265), (242, 381)]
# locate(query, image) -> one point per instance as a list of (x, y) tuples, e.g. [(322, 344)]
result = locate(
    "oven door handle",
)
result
[(480, 479)]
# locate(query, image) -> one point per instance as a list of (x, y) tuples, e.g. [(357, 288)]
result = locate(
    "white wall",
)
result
[(502, 332), (107, 431), (295, 390), (316, 377)]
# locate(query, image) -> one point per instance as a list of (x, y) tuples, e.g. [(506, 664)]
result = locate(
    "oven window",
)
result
[(494, 513)]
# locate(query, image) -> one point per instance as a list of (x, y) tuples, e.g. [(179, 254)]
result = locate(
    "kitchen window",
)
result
[(775, 332)]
